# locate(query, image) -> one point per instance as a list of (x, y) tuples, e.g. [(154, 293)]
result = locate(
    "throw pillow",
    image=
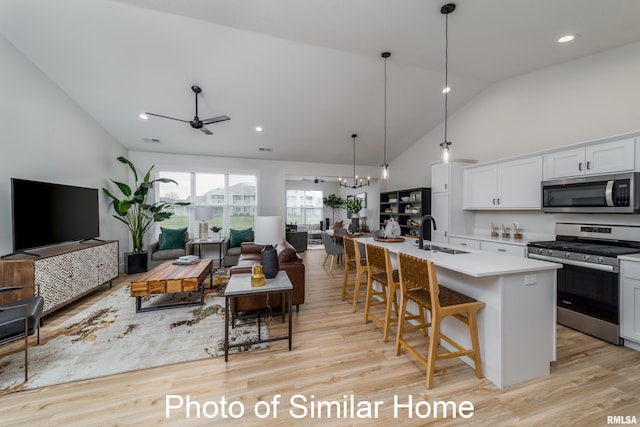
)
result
[(338, 224), (173, 238), (286, 252), (236, 237)]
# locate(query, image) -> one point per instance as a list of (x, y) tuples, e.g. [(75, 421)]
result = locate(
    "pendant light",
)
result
[(385, 167), (357, 182), (446, 145)]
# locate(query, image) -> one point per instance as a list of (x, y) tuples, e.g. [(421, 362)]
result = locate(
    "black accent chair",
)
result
[(20, 319)]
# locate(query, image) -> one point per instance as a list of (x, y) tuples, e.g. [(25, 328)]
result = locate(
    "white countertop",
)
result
[(631, 257), (474, 263)]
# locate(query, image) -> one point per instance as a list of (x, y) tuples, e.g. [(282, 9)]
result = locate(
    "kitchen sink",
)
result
[(451, 251)]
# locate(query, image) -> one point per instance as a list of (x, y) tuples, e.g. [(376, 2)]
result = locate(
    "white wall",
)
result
[(586, 99), (48, 137)]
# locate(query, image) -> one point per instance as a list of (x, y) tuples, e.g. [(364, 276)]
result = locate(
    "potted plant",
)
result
[(354, 206), (137, 214), (216, 232), (334, 202)]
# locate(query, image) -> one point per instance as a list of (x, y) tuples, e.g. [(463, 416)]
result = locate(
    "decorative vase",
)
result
[(269, 261), (355, 224)]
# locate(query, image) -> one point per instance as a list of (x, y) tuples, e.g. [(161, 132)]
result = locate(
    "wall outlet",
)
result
[(530, 279)]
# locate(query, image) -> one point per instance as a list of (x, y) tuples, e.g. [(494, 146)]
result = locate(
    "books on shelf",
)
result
[(186, 260)]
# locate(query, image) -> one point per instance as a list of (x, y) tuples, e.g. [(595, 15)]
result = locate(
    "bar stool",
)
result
[(353, 261), (379, 269), (418, 283)]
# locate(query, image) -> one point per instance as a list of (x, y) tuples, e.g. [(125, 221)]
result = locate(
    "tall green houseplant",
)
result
[(334, 202), (134, 210)]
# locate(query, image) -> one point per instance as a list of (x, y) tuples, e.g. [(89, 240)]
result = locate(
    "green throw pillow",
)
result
[(173, 238), (236, 237)]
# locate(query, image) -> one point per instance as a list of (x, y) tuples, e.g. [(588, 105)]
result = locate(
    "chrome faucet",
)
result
[(421, 233)]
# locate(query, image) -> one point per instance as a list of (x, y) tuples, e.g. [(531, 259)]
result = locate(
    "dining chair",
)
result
[(333, 250), (419, 284)]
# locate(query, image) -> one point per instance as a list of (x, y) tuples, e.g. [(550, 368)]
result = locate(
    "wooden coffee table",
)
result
[(169, 278)]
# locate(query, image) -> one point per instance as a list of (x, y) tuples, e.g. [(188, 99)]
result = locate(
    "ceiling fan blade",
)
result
[(167, 117), (206, 131), (216, 119)]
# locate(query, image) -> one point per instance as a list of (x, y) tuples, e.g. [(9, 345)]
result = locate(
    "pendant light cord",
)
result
[(385, 112), (446, 74)]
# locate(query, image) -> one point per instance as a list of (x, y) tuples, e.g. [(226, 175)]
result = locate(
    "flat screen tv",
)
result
[(46, 214)]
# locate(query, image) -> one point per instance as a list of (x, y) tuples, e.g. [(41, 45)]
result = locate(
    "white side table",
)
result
[(239, 285)]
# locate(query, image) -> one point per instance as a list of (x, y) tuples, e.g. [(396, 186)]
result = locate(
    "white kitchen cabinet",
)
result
[(439, 178), (465, 243), (446, 200), (440, 213), (630, 300), (594, 159), (479, 187), (513, 184), (504, 248)]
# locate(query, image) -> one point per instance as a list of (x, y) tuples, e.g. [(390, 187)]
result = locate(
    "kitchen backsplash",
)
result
[(540, 226)]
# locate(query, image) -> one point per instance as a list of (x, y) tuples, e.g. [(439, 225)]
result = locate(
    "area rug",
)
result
[(110, 338)]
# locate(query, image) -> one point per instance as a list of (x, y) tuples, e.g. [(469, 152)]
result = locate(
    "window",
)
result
[(233, 199), (304, 207)]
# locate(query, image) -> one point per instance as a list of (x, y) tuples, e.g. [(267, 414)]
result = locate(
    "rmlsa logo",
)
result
[(621, 419)]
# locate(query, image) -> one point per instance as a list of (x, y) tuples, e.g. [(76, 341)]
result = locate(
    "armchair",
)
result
[(156, 256), (19, 319)]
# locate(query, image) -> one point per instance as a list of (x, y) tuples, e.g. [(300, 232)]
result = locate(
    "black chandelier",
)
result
[(357, 182)]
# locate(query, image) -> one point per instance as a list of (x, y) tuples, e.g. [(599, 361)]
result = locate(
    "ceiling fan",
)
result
[(315, 181), (196, 123)]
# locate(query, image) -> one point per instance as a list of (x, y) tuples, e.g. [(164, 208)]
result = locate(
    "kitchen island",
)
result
[(517, 327)]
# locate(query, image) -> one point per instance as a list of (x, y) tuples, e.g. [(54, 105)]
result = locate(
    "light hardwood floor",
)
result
[(336, 355)]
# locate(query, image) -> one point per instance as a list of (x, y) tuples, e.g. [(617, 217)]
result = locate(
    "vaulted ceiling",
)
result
[(309, 72)]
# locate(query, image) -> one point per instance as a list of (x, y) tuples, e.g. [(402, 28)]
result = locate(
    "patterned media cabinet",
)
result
[(64, 274)]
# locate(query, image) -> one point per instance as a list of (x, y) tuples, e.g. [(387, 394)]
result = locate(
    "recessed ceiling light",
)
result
[(567, 38), (143, 116), (446, 90), (258, 128)]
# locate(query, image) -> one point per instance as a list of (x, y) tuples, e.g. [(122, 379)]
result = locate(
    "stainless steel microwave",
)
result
[(619, 193)]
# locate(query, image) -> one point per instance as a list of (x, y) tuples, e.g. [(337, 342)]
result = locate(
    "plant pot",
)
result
[(135, 262)]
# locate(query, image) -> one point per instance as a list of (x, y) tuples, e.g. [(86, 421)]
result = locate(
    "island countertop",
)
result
[(475, 263), (517, 326)]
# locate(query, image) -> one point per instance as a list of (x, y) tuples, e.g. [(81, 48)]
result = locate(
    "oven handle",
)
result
[(608, 192), (608, 268)]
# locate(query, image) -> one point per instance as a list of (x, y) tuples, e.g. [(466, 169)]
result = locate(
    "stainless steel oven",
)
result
[(618, 193), (588, 285)]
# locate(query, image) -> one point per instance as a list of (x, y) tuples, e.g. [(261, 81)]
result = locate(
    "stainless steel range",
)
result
[(589, 282)]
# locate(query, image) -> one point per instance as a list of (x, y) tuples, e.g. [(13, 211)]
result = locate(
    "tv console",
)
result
[(62, 274)]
